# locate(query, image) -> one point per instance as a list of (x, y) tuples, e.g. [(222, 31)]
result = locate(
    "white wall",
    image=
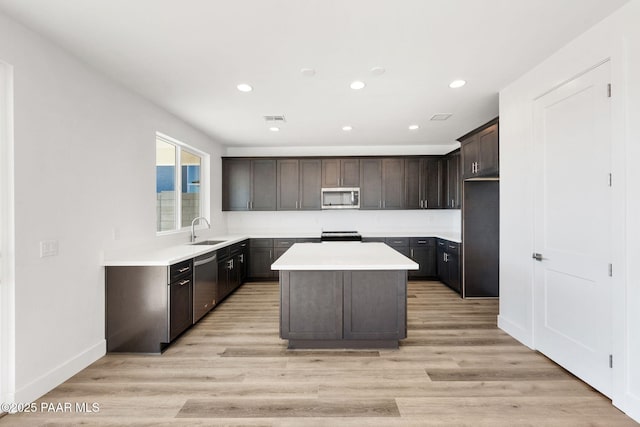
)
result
[(313, 222), (85, 176), (617, 38)]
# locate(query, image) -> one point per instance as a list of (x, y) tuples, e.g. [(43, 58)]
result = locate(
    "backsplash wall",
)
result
[(313, 222)]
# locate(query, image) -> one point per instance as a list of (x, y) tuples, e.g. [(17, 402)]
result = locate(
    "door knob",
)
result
[(537, 256)]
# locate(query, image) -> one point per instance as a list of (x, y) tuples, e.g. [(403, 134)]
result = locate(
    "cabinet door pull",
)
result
[(184, 282), (422, 242), (379, 203), (182, 270), (296, 204), (411, 252), (241, 258), (426, 204)]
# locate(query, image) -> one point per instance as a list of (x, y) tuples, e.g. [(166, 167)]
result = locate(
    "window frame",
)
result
[(204, 182)]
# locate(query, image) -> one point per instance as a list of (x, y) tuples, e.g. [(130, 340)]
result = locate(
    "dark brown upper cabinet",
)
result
[(288, 185), (299, 184), (371, 183), (382, 183), (310, 180), (393, 183), (452, 179), (480, 151), (340, 173), (423, 183), (248, 184)]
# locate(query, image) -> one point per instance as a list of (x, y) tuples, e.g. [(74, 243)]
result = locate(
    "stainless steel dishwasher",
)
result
[(205, 280)]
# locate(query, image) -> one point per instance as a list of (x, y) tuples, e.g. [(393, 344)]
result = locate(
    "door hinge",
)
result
[(609, 90), (611, 360), (610, 270)]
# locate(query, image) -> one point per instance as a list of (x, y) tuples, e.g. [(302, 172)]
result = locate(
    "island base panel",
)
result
[(343, 309), (342, 344)]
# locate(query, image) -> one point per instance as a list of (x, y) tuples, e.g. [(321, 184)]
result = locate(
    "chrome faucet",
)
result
[(193, 227)]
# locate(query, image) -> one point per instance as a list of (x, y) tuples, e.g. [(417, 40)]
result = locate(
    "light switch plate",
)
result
[(48, 248)]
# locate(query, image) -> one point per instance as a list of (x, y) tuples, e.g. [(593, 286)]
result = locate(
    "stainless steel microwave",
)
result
[(341, 198)]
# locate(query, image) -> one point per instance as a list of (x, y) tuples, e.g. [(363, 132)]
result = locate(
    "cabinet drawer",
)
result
[(373, 239), (397, 242), (452, 247), (422, 241), (308, 240), (283, 243), (223, 253), (235, 249), (179, 270), (261, 243)]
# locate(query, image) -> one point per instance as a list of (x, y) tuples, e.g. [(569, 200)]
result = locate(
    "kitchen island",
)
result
[(343, 295)]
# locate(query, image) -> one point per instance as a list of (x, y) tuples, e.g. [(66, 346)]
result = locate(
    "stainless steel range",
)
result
[(340, 236)]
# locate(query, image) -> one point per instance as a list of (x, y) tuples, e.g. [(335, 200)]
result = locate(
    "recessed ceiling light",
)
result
[(274, 129), (347, 128), (357, 85), (457, 83), (414, 127), (243, 87), (377, 71), (308, 72)]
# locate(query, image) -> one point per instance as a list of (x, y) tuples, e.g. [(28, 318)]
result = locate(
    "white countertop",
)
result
[(343, 256), (173, 254), (166, 256), (447, 235)]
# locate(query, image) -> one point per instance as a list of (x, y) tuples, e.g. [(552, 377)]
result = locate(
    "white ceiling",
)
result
[(188, 56)]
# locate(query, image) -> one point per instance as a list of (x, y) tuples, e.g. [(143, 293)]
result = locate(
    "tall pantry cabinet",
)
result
[(480, 211)]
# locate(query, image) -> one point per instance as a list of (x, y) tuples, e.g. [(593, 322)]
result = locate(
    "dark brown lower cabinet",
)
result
[(147, 306), (448, 263), (264, 251), (420, 249), (180, 307), (230, 267), (481, 234), (260, 259)]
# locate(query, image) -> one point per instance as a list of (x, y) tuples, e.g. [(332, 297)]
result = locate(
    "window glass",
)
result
[(190, 170), (178, 184), (165, 185)]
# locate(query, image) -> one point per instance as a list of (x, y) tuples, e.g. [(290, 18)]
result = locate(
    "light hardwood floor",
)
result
[(231, 369)]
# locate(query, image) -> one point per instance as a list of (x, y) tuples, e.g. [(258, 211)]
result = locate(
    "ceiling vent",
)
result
[(274, 119), (440, 117)]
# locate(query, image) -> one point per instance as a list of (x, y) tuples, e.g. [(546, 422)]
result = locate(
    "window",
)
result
[(178, 189)]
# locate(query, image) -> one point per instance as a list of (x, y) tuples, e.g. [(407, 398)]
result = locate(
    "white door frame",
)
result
[(619, 56), (581, 347), (7, 238)]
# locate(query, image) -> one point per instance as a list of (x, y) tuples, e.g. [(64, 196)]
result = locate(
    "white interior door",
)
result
[(572, 289)]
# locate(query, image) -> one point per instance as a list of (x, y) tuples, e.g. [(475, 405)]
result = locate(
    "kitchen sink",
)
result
[(209, 242)]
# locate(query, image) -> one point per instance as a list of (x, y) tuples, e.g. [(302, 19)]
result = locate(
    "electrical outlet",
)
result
[(48, 248)]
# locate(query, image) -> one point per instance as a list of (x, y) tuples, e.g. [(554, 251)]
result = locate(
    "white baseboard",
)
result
[(56, 376), (516, 331), (630, 406)]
